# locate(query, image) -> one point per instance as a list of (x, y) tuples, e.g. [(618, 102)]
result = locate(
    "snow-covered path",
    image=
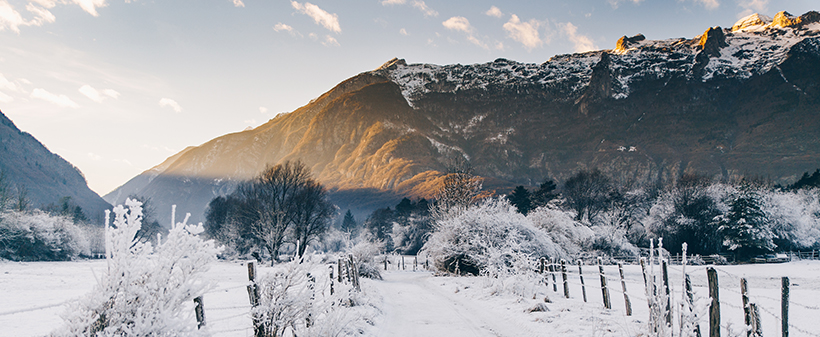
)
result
[(415, 305)]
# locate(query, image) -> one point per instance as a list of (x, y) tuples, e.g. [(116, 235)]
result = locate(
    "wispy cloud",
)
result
[(263, 109), (709, 4), (494, 11), (61, 100), (5, 98), (418, 4), (582, 42), (167, 102), (753, 6), (403, 32), (617, 3), (330, 41), (238, 3), (96, 95), (524, 32), (320, 16), (11, 19), (461, 24), (6, 84)]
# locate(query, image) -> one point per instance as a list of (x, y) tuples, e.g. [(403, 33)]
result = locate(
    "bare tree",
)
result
[(588, 193), (459, 189), (311, 213)]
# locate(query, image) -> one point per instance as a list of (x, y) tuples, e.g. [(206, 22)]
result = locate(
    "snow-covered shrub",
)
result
[(562, 228), (487, 238), (612, 241), (295, 299), (363, 254), (146, 290), (794, 218), (39, 236)]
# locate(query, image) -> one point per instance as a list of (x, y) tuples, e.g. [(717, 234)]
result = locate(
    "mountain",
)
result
[(46, 177), (730, 102)]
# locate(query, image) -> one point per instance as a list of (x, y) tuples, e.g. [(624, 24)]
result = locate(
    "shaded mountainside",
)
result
[(46, 177), (731, 102)]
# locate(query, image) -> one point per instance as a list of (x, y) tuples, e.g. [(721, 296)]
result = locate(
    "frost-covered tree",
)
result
[(459, 190), (349, 223), (40, 236), (745, 228), (794, 217), (146, 290)]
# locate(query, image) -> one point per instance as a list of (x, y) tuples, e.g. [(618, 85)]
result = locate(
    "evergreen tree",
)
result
[(544, 194), (349, 223), (520, 198), (745, 227)]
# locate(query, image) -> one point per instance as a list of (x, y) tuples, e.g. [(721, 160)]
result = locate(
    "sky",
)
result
[(117, 86)]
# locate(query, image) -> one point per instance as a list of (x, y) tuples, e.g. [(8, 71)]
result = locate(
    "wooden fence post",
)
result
[(604, 289), (747, 312), (199, 310), (668, 313), (339, 277), (385, 263), (355, 271), (415, 262), (758, 329), (564, 277), (581, 275), (691, 298), (552, 272), (253, 294), (541, 265), (331, 279), (714, 308), (623, 287), (784, 306)]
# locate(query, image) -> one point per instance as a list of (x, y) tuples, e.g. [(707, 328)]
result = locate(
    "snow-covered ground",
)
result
[(420, 304)]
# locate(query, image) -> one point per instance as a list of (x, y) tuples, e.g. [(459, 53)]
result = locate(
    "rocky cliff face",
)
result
[(46, 177), (730, 102)]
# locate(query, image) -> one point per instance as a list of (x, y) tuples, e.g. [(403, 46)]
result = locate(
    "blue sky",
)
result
[(115, 86)]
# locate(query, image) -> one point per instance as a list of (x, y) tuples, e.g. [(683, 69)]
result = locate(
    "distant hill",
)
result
[(738, 101), (46, 176)]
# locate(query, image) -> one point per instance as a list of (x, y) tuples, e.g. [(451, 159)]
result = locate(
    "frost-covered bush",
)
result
[(146, 290), (363, 254), (562, 227), (294, 299), (490, 237), (39, 236), (794, 218), (612, 241)]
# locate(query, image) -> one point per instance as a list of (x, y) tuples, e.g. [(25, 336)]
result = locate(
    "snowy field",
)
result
[(418, 303)]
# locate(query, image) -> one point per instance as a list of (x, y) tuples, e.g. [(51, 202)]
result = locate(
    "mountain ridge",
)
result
[(646, 110)]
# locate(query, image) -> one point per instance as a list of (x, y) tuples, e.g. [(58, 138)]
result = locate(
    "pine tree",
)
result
[(349, 223), (544, 194), (520, 198), (745, 227)]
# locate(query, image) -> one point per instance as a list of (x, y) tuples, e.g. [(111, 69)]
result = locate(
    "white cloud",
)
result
[(170, 103), (616, 3), (238, 3), (461, 24), (709, 4), (753, 6), (61, 100), (6, 84), (458, 23), (111, 93), (96, 95), (524, 32), (420, 5), (393, 2), (403, 32), (9, 18), (582, 42), (499, 45), (5, 98), (94, 156), (282, 27), (263, 109), (321, 17), (90, 6), (494, 11), (330, 41)]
